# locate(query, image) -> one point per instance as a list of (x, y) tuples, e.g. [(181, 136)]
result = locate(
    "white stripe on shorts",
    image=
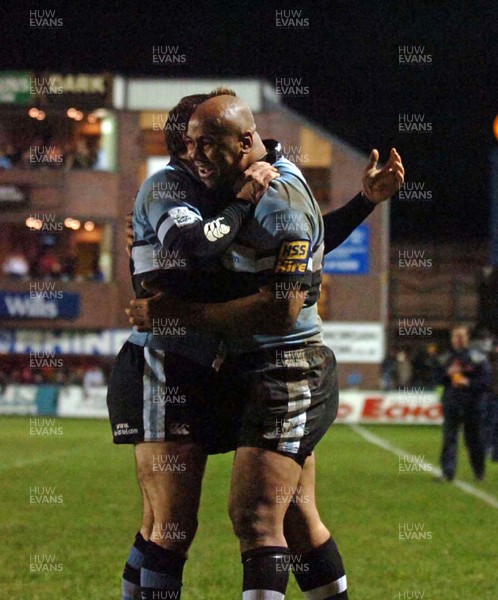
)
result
[(262, 595), (299, 401), (330, 589), (154, 380), (299, 396)]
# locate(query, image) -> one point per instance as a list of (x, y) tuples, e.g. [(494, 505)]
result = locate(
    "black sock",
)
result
[(265, 573), (162, 573), (130, 585), (320, 573)]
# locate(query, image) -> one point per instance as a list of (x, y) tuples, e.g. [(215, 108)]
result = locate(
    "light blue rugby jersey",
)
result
[(170, 199), (283, 243)]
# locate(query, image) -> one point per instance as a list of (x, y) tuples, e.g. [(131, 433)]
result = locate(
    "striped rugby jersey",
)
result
[(283, 243), (167, 202)]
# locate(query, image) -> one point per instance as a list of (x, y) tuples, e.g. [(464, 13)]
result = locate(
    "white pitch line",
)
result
[(385, 445), (28, 462)]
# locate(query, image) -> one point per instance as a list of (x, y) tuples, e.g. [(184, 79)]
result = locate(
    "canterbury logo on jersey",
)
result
[(216, 229), (293, 257)]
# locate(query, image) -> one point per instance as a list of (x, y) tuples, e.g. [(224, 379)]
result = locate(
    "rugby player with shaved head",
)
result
[(162, 394), (276, 361), (176, 219)]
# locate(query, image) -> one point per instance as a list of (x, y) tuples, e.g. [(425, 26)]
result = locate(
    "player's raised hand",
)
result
[(381, 184), (255, 180)]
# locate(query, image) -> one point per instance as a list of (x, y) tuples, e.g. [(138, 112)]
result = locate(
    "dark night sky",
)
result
[(348, 56)]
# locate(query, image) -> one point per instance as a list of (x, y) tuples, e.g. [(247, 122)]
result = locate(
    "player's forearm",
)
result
[(257, 314), (340, 223), (209, 237)]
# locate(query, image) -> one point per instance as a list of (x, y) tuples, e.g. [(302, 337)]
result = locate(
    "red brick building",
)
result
[(74, 150)]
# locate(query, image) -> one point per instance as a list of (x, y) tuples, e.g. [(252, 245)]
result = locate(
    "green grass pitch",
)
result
[(363, 498)]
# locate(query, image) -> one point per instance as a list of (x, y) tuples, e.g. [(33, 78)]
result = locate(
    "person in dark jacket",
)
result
[(491, 417), (465, 375), (424, 366)]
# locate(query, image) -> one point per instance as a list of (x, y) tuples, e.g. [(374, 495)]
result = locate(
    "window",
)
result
[(60, 249), (33, 138)]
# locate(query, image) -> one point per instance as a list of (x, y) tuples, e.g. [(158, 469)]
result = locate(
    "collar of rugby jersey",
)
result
[(274, 151)]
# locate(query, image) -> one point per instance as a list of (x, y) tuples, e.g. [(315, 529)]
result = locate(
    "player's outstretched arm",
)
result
[(378, 185), (340, 223), (261, 313), (381, 184)]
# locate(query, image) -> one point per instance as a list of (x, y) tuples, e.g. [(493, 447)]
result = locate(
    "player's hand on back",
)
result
[(381, 184), (146, 314), (255, 180)]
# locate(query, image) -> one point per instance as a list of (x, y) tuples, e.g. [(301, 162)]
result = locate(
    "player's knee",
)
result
[(145, 474), (147, 524), (252, 523), (304, 528), (175, 534), (191, 526)]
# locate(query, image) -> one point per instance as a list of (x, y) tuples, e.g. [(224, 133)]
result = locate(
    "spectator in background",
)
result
[(59, 377), (491, 418), (25, 162), (81, 157), (46, 265), (487, 344), (68, 266), (404, 369), (30, 156), (15, 376), (16, 265), (38, 378), (465, 375), (14, 154), (97, 274), (47, 395), (5, 159), (75, 376), (44, 152), (424, 367), (53, 157), (26, 375), (388, 371), (53, 154)]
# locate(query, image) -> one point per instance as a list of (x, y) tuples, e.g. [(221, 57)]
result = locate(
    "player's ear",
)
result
[(246, 141)]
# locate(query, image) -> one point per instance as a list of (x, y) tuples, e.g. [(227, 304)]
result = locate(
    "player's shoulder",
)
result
[(160, 179), (288, 192), (290, 173), (168, 187)]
